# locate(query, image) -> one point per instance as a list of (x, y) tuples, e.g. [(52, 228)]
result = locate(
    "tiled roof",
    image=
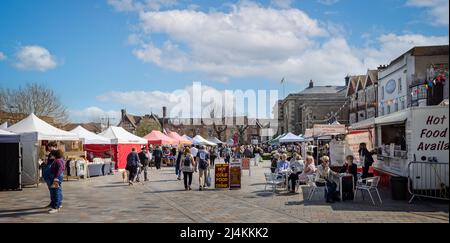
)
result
[(323, 90)]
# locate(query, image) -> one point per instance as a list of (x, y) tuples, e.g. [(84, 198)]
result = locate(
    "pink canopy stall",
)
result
[(158, 138), (179, 138)]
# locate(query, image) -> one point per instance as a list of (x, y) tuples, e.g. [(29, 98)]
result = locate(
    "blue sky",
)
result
[(104, 55)]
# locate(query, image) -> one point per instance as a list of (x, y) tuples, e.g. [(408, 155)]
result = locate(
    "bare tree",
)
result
[(218, 129), (33, 98), (241, 131)]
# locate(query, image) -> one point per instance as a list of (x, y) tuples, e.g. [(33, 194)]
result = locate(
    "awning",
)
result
[(393, 118), (368, 123)]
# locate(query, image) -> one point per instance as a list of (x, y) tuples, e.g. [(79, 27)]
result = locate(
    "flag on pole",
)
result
[(282, 81)]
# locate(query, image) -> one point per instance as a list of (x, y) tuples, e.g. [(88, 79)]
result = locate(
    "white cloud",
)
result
[(141, 5), (328, 2), (392, 46), (194, 101), (2, 56), (281, 3), (94, 114), (261, 42), (35, 58), (437, 10)]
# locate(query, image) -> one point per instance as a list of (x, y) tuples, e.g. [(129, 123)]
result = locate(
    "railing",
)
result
[(428, 179)]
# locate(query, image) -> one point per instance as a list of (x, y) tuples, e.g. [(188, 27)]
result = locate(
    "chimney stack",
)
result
[(164, 112), (347, 80), (311, 84), (124, 113)]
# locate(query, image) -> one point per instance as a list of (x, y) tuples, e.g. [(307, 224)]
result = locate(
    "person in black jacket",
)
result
[(178, 165), (366, 158), (157, 154), (132, 165), (144, 157)]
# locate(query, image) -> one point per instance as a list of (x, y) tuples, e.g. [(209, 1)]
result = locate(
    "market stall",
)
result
[(121, 143), (215, 140), (181, 140), (291, 138), (417, 134), (11, 160), (187, 137), (158, 138), (35, 133), (4, 125), (99, 152), (199, 140)]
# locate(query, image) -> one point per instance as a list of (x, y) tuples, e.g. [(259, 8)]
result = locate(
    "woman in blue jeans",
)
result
[(54, 175)]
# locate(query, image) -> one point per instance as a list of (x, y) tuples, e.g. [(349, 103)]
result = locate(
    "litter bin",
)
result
[(399, 186)]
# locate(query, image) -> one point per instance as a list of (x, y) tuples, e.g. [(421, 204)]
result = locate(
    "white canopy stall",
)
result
[(36, 130), (88, 137), (291, 138), (199, 140)]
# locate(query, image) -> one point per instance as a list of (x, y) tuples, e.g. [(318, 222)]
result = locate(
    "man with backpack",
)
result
[(202, 159)]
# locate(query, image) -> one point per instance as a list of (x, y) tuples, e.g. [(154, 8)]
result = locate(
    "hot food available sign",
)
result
[(222, 176), (430, 135)]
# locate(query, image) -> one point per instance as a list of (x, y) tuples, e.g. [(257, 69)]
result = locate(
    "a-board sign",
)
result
[(235, 174), (222, 176)]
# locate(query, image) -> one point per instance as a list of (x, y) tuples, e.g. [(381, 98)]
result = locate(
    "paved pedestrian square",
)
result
[(163, 200)]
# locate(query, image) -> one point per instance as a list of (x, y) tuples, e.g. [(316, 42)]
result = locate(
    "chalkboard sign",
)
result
[(222, 176), (235, 175)]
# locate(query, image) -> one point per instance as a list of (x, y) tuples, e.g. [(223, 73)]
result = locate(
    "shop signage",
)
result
[(328, 129), (354, 139), (222, 176), (390, 86)]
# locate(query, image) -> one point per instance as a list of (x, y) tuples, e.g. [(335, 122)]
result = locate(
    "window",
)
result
[(382, 93), (382, 110), (403, 104), (399, 85), (388, 109), (396, 105)]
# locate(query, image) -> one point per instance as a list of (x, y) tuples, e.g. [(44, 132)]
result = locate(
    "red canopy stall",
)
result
[(158, 138), (121, 144)]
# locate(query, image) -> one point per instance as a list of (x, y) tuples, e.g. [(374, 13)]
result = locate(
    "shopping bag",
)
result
[(208, 181)]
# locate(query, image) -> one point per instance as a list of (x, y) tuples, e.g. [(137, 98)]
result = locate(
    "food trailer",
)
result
[(416, 134)]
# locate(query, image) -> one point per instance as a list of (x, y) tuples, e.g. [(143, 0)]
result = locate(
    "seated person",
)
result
[(297, 167), (309, 169), (347, 185), (283, 164), (274, 162), (324, 176)]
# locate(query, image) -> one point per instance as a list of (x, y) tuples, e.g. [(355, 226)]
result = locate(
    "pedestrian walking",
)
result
[(188, 167), (144, 158), (203, 161), (178, 165), (157, 154), (132, 165)]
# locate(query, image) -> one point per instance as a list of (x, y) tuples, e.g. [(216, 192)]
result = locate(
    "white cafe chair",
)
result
[(313, 187), (369, 184), (271, 180)]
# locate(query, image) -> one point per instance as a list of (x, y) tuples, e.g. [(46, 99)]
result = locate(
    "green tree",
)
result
[(146, 126)]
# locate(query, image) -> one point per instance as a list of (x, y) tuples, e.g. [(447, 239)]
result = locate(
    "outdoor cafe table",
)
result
[(286, 174), (339, 181)]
